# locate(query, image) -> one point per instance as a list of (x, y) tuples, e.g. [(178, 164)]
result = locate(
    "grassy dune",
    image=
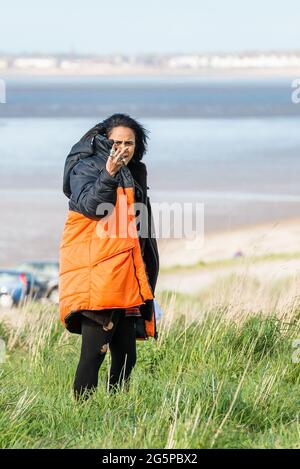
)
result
[(232, 262), (214, 379)]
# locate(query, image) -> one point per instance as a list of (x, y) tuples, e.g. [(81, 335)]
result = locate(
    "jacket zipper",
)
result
[(137, 277)]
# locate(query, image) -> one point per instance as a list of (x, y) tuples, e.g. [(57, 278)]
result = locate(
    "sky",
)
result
[(153, 26)]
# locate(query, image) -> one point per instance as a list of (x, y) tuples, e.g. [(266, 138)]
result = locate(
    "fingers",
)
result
[(118, 151), (116, 161), (116, 158)]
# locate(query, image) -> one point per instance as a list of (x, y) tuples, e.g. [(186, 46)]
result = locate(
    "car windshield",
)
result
[(8, 277), (43, 269)]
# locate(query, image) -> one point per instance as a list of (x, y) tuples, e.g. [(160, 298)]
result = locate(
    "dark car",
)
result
[(46, 272), (16, 286)]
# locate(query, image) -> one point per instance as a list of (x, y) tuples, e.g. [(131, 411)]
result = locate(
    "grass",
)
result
[(231, 262), (210, 382)]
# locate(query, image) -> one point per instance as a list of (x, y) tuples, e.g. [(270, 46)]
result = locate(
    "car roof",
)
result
[(13, 271), (38, 261)]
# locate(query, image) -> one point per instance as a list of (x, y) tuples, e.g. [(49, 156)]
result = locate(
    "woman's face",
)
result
[(124, 137)]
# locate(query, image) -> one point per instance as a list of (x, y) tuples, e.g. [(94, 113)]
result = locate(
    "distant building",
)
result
[(255, 61), (86, 65), (3, 64), (34, 63), (188, 61), (120, 63)]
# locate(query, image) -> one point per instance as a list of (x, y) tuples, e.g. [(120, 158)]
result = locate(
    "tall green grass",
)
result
[(213, 382)]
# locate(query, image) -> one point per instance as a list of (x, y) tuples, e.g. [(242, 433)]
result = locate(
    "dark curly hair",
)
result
[(115, 120)]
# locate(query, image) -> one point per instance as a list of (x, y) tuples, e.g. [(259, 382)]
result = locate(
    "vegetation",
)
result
[(211, 382)]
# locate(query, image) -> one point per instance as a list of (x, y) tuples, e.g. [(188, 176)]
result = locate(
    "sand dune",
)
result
[(255, 243), (282, 236)]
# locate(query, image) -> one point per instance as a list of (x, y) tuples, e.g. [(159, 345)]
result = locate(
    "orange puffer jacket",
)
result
[(104, 262)]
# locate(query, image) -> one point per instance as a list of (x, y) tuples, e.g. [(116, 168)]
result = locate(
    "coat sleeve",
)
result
[(91, 187)]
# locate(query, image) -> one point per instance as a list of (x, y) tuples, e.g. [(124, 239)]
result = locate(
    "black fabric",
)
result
[(122, 346), (90, 188)]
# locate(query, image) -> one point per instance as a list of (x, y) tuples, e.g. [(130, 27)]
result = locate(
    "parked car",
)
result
[(16, 286), (46, 272)]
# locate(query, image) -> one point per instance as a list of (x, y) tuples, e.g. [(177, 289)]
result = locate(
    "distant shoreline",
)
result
[(154, 72)]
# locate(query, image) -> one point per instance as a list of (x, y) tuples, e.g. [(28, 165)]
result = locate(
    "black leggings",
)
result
[(122, 346)]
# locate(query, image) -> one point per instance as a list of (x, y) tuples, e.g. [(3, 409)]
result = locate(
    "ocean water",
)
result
[(251, 155), (232, 145), (175, 97)]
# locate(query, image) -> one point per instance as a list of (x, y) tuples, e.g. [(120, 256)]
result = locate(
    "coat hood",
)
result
[(82, 149), (89, 146)]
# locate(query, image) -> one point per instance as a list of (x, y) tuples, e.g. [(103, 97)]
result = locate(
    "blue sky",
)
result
[(153, 26)]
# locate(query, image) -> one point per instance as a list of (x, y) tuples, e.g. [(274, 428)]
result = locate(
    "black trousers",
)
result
[(120, 340)]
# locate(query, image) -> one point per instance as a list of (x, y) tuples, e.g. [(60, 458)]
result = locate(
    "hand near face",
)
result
[(117, 160)]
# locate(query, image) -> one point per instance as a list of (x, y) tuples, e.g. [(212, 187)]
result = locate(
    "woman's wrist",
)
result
[(111, 174)]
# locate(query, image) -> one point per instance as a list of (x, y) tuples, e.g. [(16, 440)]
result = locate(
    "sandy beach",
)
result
[(252, 267), (281, 236)]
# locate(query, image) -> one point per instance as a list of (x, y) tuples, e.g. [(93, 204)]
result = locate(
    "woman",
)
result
[(109, 259)]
